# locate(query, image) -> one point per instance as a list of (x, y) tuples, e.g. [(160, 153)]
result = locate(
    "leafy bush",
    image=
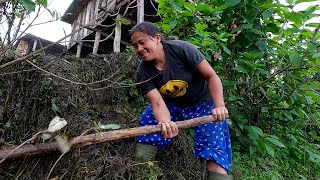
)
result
[(267, 56)]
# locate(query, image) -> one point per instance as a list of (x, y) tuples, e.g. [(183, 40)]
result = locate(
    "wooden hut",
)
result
[(102, 26), (29, 43)]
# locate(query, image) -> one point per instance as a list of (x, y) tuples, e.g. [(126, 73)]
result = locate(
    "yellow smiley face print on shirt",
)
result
[(174, 88)]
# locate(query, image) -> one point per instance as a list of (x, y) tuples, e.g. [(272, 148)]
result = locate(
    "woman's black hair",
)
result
[(147, 28)]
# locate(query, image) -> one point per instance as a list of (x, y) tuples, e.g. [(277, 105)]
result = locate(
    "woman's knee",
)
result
[(214, 167)]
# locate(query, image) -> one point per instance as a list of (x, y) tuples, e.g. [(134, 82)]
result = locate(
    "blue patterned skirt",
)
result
[(211, 141)]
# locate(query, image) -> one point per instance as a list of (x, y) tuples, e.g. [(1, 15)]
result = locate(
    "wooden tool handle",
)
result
[(81, 141)]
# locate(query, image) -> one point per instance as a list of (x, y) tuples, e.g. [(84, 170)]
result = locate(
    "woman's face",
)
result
[(146, 47)]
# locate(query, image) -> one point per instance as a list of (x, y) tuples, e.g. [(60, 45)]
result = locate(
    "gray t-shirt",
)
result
[(179, 82)]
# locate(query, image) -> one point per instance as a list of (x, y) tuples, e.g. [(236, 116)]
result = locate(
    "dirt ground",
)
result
[(86, 92)]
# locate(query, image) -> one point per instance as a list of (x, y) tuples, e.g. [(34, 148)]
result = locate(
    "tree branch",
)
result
[(267, 80)]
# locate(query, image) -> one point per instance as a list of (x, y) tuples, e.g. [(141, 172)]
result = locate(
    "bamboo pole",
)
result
[(81, 141)]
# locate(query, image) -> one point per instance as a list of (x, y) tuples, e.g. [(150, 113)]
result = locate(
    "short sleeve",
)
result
[(144, 81), (191, 55)]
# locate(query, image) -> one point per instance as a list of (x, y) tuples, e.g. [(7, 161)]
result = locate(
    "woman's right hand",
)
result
[(169, 129)]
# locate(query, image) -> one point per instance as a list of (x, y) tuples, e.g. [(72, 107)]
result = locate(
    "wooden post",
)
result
[(140, 15), (34, 44), (96, 42), (117, 36), (79, 47)]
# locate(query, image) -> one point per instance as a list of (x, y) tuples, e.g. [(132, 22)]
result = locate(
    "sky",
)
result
[(54, 31), (51, 31)]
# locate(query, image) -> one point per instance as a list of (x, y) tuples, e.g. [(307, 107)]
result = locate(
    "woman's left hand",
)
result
[(220, 113)]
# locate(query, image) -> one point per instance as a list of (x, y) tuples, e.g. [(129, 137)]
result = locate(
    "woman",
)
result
[(180, 84)]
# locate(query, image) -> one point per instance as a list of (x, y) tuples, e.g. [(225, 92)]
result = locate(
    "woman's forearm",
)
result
[(216, 90), (160, 111)]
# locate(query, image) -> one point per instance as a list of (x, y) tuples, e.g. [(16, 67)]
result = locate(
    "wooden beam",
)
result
[(117, 36), (140, 14)]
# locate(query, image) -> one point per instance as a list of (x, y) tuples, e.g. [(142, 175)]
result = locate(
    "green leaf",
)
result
[(29, 5), (287, 32), (189, 6), (232, 98), (262, 45), (288, 116), (242, 26), (54, 107), (264, 109), (203, 8), (302, 113), (255, 31), (110, 126), (253, 55), (8, 124), (295, 59), (310, 11), (314, 135), (173, 23), (266, 14), (176, 5), (44, 3), (316, 55), (296, 18), (253, 135), (240, 69), (311, 47), (257, 130), (232, 3), (270, 150), (315, 96), (186, 13), (314, 69), (124, 21), (261, 146), (276, 142), (200, 27), (166, 28), (300, 1), (309, 100), (252, 149), (225, 49), (313, 157)]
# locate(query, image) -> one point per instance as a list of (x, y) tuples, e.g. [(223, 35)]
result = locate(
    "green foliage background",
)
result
[(269, 65)]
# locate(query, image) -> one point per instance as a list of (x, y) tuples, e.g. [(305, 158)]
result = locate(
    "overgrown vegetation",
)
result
[(89, 93), (267, 56)]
